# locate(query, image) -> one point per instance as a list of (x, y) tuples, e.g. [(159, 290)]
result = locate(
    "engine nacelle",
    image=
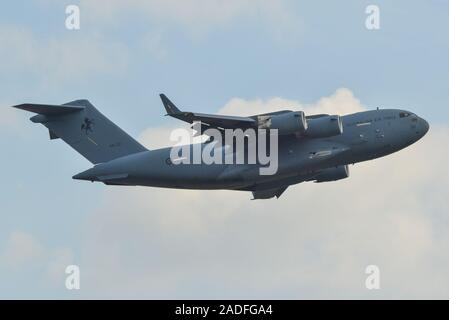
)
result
[(322, 127), (285, 123), (332, 174)]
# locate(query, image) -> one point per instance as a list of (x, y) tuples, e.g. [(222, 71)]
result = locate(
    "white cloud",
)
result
[(159, 137), (58, 261), (8, 116), (313, 242), (77, 55), (67, 58), (341, 102), (195, 15), (152, 43), (23, 251)]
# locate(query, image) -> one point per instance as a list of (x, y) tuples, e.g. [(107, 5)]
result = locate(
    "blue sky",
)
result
[(202, 55)]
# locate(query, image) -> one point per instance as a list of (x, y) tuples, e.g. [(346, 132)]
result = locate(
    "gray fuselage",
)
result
[(366, 135)]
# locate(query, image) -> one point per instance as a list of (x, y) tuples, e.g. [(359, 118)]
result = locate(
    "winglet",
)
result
[(169, 106)]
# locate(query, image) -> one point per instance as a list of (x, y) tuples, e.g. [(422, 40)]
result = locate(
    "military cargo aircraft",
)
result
[(315, 148)]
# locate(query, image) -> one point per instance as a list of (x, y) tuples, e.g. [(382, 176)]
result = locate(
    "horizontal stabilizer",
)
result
[(85, 129), (49, 110)]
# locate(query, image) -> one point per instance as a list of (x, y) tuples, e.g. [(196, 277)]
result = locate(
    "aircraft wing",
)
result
[(211, 120)]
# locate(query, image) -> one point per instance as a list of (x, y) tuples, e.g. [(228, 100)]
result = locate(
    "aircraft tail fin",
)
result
[(85, 129)]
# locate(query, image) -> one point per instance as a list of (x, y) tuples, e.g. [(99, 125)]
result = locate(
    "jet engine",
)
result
[(286, 123), (325, 126), (332, 174), (297, 123)]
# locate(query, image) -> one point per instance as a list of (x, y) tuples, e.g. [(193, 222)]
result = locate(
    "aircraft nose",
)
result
[(424, 125)]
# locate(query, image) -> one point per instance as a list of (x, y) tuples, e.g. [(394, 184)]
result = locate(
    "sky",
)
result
[(229, 57)]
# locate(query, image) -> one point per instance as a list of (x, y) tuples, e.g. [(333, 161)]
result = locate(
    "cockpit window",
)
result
[(404, 114)]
